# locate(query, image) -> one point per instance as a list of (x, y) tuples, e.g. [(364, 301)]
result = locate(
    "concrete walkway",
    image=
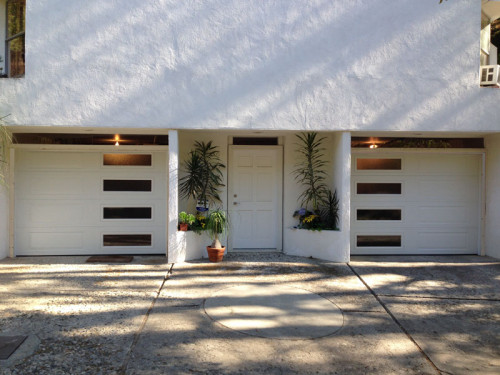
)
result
[(420, 315)]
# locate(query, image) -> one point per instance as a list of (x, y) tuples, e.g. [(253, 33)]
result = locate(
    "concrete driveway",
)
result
[(414, 315)]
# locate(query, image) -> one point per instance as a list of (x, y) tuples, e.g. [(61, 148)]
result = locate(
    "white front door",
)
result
[(255, 197)]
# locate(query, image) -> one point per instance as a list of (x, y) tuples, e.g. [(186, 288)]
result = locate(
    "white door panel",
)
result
[(60, 199), (439, 203), (255, 197)]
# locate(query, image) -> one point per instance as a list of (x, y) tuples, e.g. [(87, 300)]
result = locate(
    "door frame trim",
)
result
[(280, 189)]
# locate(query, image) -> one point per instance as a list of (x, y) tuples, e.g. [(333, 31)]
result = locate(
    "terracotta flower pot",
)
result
[(215, 254), (183, 227)]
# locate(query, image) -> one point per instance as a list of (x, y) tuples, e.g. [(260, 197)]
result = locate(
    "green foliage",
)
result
[(203, 180), (200, 224), (185, 218), (310, 171), (217, 224), (326, 217), (330, 211), (320, 207), (5, 140)]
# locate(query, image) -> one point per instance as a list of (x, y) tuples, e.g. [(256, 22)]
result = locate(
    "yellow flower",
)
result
[(309, 219)]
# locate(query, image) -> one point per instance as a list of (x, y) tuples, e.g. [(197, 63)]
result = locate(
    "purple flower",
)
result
[(302, 211)]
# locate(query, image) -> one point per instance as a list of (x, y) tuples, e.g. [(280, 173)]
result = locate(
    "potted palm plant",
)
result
[(203, 179), (217, 224)]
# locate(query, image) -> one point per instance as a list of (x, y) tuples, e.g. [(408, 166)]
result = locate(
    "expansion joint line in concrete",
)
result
[(403, 329), (137, 335), (441, 298)]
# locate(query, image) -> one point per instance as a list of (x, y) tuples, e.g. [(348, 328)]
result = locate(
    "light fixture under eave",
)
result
[(117, 143), (371, 146), (117, 139)]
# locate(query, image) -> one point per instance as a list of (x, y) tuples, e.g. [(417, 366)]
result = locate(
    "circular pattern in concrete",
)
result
[(274, 311)]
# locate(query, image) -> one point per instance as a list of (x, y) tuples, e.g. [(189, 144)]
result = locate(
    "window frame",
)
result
[(8, 39)]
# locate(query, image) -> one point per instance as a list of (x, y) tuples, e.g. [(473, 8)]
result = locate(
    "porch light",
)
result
[(117, 139), (371, 146)]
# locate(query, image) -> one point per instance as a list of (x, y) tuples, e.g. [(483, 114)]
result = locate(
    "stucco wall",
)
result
[(329, 245), (492, 233), (285, 64)]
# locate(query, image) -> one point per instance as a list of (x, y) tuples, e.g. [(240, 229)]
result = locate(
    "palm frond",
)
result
[(309, 170), (204, 177)]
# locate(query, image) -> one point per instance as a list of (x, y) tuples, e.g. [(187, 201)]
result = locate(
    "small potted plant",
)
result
[(185, 220), (217, 224)]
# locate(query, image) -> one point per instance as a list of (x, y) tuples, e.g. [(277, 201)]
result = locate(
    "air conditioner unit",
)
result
[(490, 75)]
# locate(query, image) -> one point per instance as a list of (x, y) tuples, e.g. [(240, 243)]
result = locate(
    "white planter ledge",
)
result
[(332, 245), (192, 246)]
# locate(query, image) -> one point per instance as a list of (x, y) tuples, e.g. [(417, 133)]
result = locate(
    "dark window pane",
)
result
[(378, 241), (127, 159), (388, 142), (379, 164), (16, 15), (378, 188), (127, 239), (378, 214), (127, 213), (16, 56), (89, 139), (127, 185), (255, 141)]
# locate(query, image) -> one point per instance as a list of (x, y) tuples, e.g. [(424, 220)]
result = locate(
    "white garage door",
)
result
[(79, 203), (418, 203)]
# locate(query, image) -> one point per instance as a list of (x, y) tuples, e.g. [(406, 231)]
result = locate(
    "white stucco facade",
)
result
[(357, 65), (212, 70)]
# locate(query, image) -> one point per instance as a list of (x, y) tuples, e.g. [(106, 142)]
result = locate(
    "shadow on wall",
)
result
[(249, 65)]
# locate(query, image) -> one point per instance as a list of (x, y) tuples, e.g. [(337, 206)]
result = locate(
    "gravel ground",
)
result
[(81, 318), (148, 317)]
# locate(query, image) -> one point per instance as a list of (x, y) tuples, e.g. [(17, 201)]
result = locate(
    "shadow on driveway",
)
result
[(416, 315)]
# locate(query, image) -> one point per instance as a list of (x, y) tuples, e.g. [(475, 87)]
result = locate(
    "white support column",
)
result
[(175, 251), (345, 197), (11, 202)]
